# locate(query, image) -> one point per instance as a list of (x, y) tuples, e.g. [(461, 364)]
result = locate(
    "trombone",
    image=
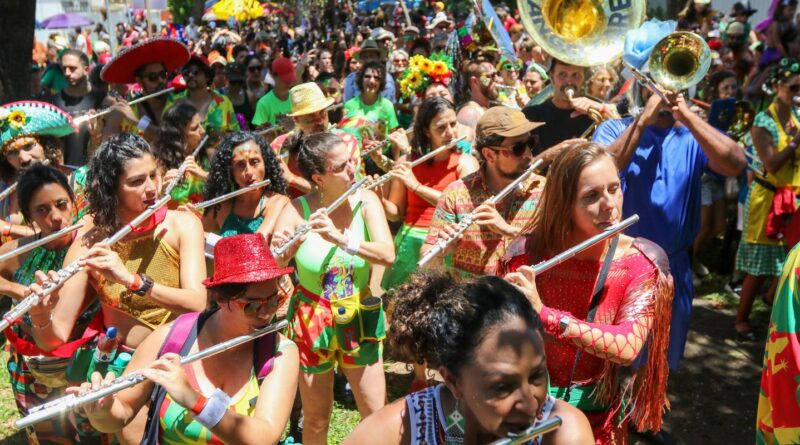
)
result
[(464, 224), (65, 404), (86, 118)]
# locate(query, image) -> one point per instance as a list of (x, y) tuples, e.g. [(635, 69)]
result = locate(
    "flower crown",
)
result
[(422, 71)]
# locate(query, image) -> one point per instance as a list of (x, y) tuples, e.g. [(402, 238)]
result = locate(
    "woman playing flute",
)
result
[(625, 280), (413, 193), (254, 383), (329, 318), (47, 201), (179, 135), (243, 159), (487, 342), (143, 281)]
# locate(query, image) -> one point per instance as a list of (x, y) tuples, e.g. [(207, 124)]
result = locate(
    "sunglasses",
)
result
[(254, 307), (190, 73), (399, 61), (509, 67), (254, 69), (518, 149), (155, 77)]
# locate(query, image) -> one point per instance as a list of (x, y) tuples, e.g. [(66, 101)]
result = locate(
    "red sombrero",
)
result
[(172, 53)]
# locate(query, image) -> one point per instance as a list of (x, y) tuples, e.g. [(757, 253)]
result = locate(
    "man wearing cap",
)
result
[(501, 139), (215, 110), (309, 111), (276, 104), (149, 64), (218, 63), (369, 51), (384, 38)]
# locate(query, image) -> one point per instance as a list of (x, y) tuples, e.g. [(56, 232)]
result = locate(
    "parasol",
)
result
[(66, 20)]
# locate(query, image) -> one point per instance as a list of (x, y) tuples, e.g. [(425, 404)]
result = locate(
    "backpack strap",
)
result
[(178, 333)]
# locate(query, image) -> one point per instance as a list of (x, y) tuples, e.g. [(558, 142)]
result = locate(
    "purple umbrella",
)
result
[(66, 20)]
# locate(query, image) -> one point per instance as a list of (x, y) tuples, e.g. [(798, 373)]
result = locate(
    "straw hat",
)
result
[(307, 98)]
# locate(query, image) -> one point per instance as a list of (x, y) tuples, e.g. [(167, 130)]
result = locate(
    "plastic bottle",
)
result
[(104, 351), (120, 363)]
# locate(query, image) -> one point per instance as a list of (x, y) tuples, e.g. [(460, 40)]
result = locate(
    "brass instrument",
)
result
[(743, 117), (581, 32), (678, 61)]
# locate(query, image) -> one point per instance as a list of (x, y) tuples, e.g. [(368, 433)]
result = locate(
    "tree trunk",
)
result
[(197, 10), (17, 19)]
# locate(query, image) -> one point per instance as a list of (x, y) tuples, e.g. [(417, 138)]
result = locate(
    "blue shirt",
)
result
[(661, 183), (351, 90)]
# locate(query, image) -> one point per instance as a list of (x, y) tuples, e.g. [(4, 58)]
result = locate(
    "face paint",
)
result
[(246, 151)]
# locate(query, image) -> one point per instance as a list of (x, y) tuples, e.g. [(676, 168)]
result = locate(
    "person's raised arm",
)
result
[(623, 146)]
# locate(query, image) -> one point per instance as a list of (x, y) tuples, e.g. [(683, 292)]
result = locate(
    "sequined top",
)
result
[(153, 256), (479, 250)]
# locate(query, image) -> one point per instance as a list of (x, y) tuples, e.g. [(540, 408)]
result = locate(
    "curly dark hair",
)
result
[(376, 65), (105, 169), (220, 179), (170, 146), (427, 111), (438, 319), (34, 178), (53, 151)]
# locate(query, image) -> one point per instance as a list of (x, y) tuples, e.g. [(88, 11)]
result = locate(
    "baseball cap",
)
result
[(284, 69), (504, 121)]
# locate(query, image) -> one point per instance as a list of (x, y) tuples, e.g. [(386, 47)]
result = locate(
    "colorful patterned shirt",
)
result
[(479, 250), (219, 117)]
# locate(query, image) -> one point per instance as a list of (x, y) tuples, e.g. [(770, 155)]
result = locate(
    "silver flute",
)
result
[(88, 117), (182, 170), (73, 268), (578, 248), (233, 194), (383, 143), (39, 242), (304, 228), (388, 176), (532, 432), (464, 224), (61, 406), (269, 129)]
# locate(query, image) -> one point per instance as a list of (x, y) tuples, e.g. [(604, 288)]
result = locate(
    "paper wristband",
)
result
[(215, 409)]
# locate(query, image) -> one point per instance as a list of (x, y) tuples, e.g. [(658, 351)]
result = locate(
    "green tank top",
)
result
[(236, 225), (326, 269)]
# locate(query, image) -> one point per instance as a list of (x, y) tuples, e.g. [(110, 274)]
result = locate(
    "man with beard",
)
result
[(661, 156), (310, 115), (77, 99), (149, 64), (502, 139), (480, 78), (565, 118), (214, 109)]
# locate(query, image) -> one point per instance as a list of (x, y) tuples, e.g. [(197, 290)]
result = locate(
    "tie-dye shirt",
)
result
[(220, 116)]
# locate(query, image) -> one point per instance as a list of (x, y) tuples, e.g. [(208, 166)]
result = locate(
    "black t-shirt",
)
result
[(558, 125), (75, 144)]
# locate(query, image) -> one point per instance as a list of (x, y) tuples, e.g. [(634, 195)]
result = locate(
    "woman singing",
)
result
[(330, 321)]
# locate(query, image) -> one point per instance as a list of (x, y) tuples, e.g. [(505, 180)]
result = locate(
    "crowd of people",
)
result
[(390, 184)]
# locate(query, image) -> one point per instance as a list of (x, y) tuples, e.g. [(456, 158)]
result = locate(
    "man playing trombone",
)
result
[(502, 143)]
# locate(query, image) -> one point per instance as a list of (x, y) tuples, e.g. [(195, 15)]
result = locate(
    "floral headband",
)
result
[(423, 71)]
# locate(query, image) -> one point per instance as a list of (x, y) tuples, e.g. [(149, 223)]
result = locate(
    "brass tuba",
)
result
[(581, 32)]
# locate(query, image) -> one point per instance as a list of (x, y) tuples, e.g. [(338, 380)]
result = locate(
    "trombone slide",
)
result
[(65, 404)]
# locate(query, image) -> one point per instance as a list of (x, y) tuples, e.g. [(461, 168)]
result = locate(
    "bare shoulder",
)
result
[(388, 423), (574, 429), (182, 221)]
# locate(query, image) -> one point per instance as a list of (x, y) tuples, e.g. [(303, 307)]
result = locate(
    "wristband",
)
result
[(42, 326), (147, 284), (7, 229), (136, 284), (144, 122), (353, 244), (214, 410), (199, 405)]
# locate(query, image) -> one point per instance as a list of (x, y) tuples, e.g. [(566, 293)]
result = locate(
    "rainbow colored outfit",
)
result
[(327, 319), (220, 116)]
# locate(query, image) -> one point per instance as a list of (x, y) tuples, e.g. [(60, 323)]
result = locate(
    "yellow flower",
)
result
[(416, 61), (425, 66), (414, 79), (439, 68), (17, 119)]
